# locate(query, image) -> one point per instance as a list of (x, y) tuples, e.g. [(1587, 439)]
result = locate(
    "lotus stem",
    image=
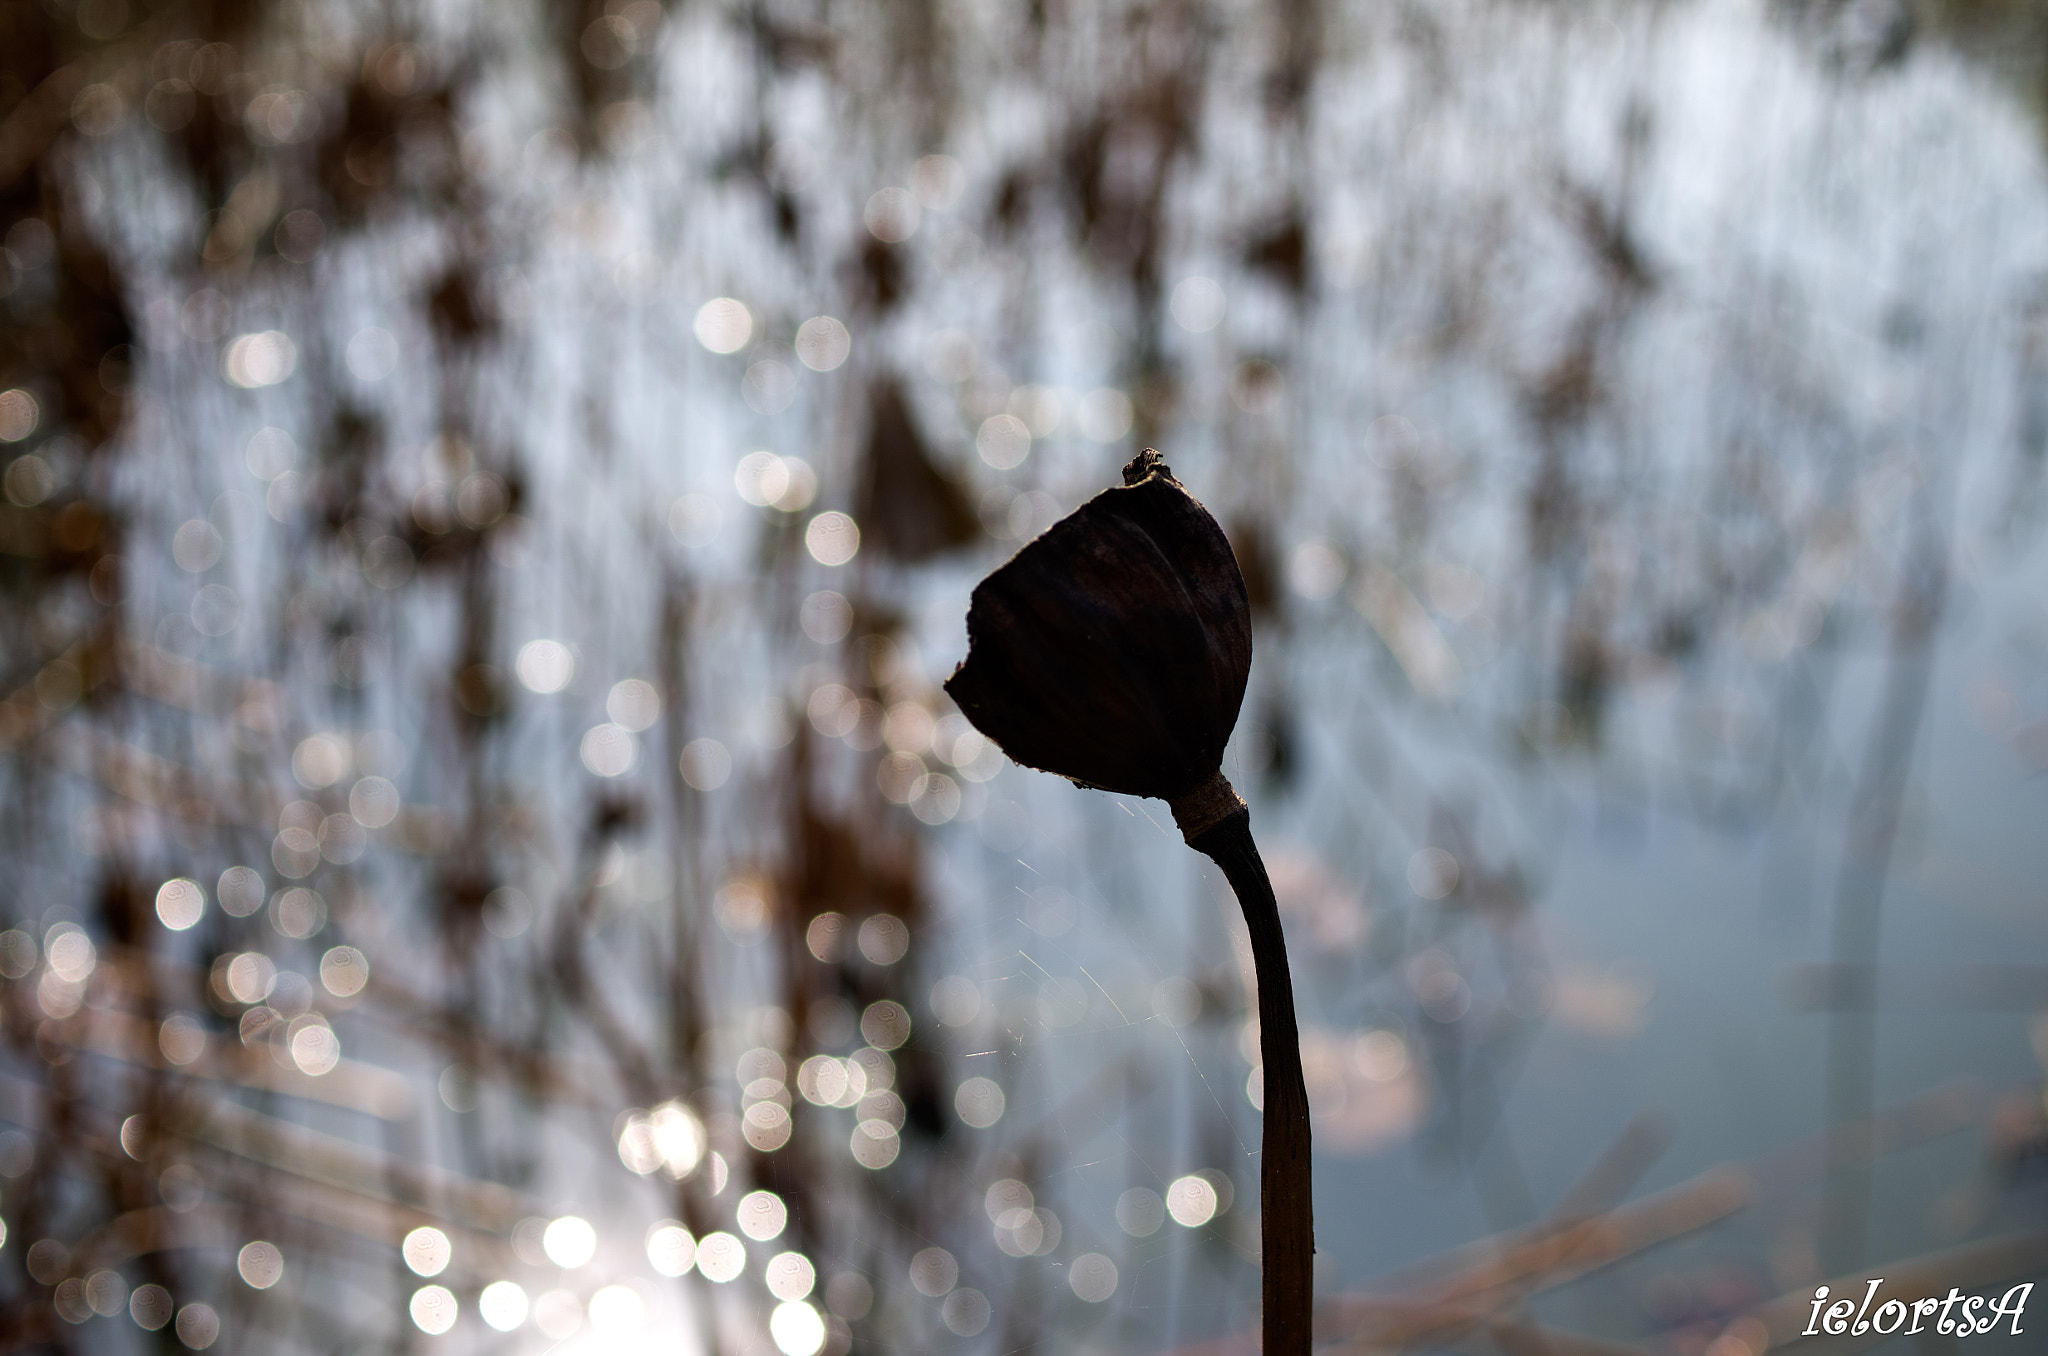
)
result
[(1286, 1200)]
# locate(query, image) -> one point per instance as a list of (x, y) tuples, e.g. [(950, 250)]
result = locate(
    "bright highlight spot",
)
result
[(791, 1276), (433, 1309), (262, 359), (557, 1313), (761, 1215), (426, 1250), (875, 1144), (609, 750), (723, 325), (832, 538), (885, 1025), (670, 1249), (503, 1305), (705, 764), (373, 801), (1003, 441), (260, 1264), (824, 1081), (179, 903), (544, 666), (618, 1311), (344, 971), (1191, 1201), (315, 1049), (822, 343), (721, 1257), (633, 704), (181, 1038), (569, 1242), (797, 1328)]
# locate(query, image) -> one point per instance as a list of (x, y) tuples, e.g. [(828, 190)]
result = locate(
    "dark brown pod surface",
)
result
[(1114, 649)]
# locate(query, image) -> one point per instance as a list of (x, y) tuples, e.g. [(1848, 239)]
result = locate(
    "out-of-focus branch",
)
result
[(351, 1084)]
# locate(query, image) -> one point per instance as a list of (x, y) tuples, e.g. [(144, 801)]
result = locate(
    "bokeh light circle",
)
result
[(721, 1257), (1191, 1201), (723, 325), (434, 1309), (1092, 1277), (427, 1251), (179, 903), (797, 1329), (791, 1276), (260, 1264), (503, 1305), (761, 1215), (569, 1242), (832, 538)]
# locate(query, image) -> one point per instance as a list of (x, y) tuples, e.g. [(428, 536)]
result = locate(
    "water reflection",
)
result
[(488, 506)]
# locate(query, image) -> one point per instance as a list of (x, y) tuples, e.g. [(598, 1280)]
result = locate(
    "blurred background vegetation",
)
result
[(491, 492)]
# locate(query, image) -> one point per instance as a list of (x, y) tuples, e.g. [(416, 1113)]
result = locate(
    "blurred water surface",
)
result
[(493, 492)]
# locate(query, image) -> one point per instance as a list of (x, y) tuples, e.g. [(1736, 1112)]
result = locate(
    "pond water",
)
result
[(544, 469)]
